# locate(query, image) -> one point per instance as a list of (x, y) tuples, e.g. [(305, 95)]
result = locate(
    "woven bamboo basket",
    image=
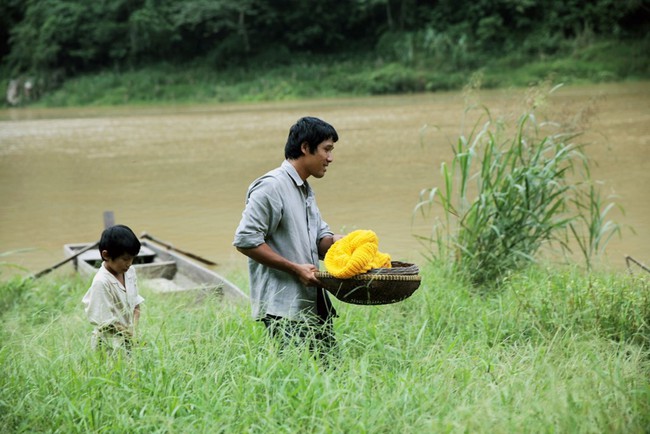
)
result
[(377, 286)]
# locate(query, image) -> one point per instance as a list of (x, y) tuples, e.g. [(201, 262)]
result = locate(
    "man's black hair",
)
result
[(311, 130), (118, 240)]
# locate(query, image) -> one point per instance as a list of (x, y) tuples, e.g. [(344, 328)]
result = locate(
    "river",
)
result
[(180, 173)]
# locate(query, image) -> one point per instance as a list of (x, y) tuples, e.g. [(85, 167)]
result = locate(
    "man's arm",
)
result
[(325, 243), (267, 256)]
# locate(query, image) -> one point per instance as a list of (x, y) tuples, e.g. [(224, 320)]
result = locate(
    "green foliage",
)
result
[(149, 34), (13, 288), (393, 78), (56, 39), (384, 47), (591, 229), (12, 291), (509, 191), (40, 300), (67, 37), (614, 307), (442, 360), (283, 77)]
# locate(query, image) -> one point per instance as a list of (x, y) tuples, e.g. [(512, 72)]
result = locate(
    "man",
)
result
[(284, 236)]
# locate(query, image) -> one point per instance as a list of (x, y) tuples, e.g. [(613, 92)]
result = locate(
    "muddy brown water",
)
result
[(181, 173)]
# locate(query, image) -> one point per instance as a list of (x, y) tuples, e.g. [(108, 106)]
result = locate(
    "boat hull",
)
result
[(160, 269)]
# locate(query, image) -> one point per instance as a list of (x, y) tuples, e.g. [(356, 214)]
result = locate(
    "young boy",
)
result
[(112, 302)]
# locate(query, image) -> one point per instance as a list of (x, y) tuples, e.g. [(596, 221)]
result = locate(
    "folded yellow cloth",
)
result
[(355, 253)]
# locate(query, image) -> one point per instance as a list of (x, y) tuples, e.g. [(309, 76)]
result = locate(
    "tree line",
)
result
[(62, 38)]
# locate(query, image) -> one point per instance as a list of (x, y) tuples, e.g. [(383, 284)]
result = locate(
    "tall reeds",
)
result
[(507, 192)]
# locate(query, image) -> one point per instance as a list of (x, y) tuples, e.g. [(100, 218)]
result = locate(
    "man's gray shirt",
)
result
[(281, 211)]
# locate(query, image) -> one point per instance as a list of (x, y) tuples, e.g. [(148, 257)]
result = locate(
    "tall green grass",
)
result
[(512, 189), (553, 352)]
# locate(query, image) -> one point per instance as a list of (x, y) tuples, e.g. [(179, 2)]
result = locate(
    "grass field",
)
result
[(552, 351)]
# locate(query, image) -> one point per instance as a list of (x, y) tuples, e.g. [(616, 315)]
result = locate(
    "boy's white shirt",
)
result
[(107, 302)]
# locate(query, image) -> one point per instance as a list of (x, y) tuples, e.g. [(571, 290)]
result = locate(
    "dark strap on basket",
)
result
[(324, 305)]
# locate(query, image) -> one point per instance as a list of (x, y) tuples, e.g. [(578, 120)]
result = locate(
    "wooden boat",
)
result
[(160, 269)]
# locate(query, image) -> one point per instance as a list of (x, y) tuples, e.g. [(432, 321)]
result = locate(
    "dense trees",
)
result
[(65, 37)]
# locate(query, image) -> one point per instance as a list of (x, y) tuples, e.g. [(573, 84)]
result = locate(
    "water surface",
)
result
[(181, 173)]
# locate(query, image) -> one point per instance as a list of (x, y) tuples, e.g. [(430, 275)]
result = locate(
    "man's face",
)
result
[(316, 163)]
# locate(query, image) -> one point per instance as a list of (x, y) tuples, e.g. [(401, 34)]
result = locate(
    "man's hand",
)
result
[(265, 255), (305, 272)]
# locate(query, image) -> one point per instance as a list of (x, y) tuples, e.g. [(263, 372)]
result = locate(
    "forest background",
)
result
[(76, 52)]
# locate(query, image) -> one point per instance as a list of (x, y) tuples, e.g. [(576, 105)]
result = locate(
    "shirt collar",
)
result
[(293, 173), (111, 276)]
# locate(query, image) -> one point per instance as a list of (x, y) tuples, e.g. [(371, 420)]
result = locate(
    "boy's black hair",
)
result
[(311, 130), (118, 240)]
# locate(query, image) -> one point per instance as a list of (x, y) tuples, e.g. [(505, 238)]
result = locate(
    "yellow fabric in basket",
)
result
[(354, 254)]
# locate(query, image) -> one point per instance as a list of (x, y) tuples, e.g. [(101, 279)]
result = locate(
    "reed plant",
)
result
[(555, 353), (509, 191)]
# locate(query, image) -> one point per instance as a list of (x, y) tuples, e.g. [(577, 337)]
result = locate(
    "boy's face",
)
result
[(118, 265)]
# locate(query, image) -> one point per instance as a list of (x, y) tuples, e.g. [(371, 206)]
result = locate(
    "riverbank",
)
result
[(330, 77)]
